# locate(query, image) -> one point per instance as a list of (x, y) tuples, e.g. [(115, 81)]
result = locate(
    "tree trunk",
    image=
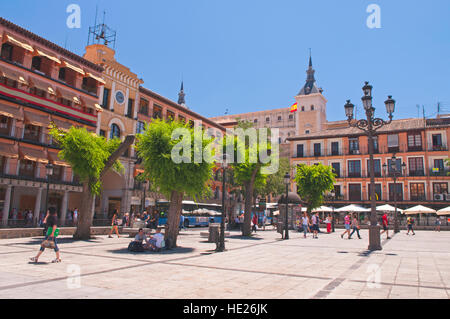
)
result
[(173, 219), (249, 187), (83, 231)]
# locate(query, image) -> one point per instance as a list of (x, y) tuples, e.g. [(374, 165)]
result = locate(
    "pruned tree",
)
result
[(90, 157), (174, 178), (312, 183)]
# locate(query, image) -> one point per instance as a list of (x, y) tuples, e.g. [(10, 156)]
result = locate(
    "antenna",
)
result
[(101, 32), (438, 108)]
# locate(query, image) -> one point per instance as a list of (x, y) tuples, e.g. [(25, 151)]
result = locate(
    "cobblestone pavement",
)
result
[(261, 267)]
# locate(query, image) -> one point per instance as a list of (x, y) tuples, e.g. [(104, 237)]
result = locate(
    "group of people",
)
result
[(312, 224), (142, 242)]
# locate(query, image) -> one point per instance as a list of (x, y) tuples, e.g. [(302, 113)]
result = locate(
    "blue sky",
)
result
[(252, 55)]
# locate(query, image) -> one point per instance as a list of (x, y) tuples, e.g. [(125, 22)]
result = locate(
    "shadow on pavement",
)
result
[(178, 250), (244, 237), (67, 240)]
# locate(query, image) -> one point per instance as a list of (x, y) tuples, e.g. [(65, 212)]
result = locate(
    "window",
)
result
[(312, 107), (170, 115), (157, 112), (255, 121), (181, 118), (398, 166), (396, 190), (438, 168), (440, 188), (62, 74), (32, 133), (5, 125), (130, 108), (337, 191), (416, 166), (316, 149), (267, 119), (7, 51), (353, 145), (115, 131), (354, 192), (303, 109), (36, 63), (38, 92), (89, 84), (140, 127), (377, 169), (417, 191), (105, 101), (65, 101), (279, 118), (334, 148), (393, 143), (102, 133), (299, 150), (414, 142), (27, 168), (291, 117), (354, 168), (377, 191), (58, 172), (2, 164), (307, 132), (8, 82), (336, 167), (437, 142), (375, 144), (191, 124), (143, 107)]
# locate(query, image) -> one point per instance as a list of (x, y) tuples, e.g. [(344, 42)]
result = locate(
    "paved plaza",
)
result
[(261, 267)]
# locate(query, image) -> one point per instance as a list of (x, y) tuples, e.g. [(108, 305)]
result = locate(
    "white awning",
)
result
[(73, 67), (21, 44), (388, 208), (444, 211), (48, 56), (98, 79), (352, 208), (419, 209)]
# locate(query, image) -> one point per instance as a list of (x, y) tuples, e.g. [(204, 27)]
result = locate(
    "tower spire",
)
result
[(310, 86), (181, 95)]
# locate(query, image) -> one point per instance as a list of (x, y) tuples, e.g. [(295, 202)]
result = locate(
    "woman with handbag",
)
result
[(114, 225), (50, 237), (355, 226)]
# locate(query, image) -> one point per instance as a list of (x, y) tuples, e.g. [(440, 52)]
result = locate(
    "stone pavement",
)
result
[(261, 267)]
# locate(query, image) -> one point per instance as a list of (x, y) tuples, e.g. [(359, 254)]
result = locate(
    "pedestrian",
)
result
[(385, 224), (305, 223), (410, 223), (114, 225), (44, 222), (125, 220), (328, 222), (438, 224), (264, 222), (355, 227), (181, 222), (75, 216), (346, 225), (50, 237), (255, 222), (315, 224), (29, 217)]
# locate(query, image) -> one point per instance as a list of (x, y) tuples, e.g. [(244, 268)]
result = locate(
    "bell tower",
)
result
[(311, 105)]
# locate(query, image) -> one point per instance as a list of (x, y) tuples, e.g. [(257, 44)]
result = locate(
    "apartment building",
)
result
[(40, 83)]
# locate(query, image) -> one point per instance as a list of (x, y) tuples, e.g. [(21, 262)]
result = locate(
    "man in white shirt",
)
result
[(157, 240)]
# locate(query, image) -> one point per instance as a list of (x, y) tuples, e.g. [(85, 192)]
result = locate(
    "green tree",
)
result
[(248, 174), (90, 157), (274, 184), (175, 180), (312, 182)]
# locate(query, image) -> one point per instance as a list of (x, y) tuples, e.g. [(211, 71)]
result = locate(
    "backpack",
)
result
[(136, 246)]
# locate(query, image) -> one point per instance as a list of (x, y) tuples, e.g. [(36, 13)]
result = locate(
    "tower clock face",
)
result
[(120, 98)]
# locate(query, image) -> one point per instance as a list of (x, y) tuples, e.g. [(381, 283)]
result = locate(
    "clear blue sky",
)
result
[(252, 55)]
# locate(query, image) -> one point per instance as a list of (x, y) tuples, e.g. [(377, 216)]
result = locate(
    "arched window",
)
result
[(115, 131)]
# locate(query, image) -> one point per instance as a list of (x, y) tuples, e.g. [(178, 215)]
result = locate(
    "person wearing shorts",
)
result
[(410, 223), (385, 226), (51, 221), (347, 226), (305, 223)]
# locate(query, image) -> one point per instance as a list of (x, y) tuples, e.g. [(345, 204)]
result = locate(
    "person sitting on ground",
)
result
[(141, 237), (156, 240)]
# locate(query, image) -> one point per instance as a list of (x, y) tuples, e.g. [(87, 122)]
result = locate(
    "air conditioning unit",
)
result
[(438, 196), (447, 197)]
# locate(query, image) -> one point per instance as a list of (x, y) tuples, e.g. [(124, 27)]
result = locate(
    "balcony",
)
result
[(437, 148), (439, 172)]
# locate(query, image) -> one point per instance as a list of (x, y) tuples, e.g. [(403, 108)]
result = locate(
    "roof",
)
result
[(180, 108), (394, 127), (49, 45)]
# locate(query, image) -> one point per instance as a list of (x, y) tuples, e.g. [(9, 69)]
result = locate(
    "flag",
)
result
[(294, 108)]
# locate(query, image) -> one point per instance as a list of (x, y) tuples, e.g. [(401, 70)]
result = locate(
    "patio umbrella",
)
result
[(419, 209), (444, 211), (324, 209), (276, 213), (388, 208), (352, 208)]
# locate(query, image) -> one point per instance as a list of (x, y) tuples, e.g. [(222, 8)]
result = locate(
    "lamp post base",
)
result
[(374, 238)]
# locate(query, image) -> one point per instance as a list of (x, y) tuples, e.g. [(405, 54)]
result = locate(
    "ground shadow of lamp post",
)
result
[(370, 125), (49, 173), (395, 171)]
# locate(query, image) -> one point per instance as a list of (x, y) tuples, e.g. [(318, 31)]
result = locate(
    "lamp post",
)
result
[(144, 186), (370, 125), (49, 172), (333, 194), (287, 180), (394, 170), (221, 246)]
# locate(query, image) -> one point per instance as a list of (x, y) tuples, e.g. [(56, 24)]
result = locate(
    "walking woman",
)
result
[(305, 224), (114, 225), (347, 226), (355, 227), (50, 237), (328, 222)]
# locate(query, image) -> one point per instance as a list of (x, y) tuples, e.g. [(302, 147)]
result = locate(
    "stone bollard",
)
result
[(280, 228), (213, 233)]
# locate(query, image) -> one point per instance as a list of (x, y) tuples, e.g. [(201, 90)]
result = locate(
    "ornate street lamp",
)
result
[(48, 172), (221, 246), (395, 172), (287, 181), (144, 186), (370, 125)]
